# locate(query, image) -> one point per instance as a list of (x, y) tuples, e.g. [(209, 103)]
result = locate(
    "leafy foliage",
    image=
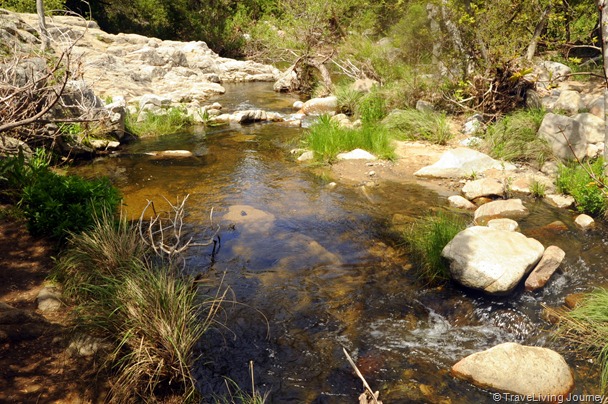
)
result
[(586, 189), (55, 205), (29, 6)]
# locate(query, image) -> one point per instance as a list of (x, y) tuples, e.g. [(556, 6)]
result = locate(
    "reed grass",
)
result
[(585, 329), (327, 139), (426, 239), (411, 124)]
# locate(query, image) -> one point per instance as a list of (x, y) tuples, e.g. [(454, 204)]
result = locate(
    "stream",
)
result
[(312, 268)]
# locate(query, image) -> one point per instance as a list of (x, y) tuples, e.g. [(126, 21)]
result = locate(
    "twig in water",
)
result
[(363, 398)]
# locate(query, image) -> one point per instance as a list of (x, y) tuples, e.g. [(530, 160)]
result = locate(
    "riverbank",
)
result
[(36, 363)]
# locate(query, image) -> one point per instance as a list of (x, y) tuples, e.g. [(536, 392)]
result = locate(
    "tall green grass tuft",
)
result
[(426, 238), (412, 124), (172, 121), (514, 138), (148, 308), (327, 139), (586, 329), (585, 184)]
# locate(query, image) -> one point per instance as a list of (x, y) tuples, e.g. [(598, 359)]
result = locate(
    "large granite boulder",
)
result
[(320, 106), (565, 136), (493, 261), (461, 162), (517, 369)]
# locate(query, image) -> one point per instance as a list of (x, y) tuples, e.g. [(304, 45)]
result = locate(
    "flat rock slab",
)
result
[(509, 208), (517, 369), (490, 260), (551, 260), (461, 162)]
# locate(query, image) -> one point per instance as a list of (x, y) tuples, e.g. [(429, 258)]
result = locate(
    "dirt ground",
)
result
[(39, 369)]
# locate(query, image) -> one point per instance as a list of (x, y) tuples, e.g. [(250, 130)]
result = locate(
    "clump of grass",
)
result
[(151, 311), (538, 189), (585, 184), (426, 239), (586, 329), (171, 121), (514, 138), (327, 139), (237, 395), (412, 124)]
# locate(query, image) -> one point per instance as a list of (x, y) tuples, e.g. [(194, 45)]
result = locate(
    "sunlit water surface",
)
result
[(313, 268)]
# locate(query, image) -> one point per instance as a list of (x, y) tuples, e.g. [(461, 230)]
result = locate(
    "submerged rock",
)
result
[(584, 222), (518, 369), (493, 261)]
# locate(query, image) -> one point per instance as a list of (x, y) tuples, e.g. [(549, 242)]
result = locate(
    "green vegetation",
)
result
[(426, 238), (326, 138), (147, 307), (412, 124), (514, 138), (54, 205), (586, 185), (538, 189), (585, 328), (152, 124), (29, 6)]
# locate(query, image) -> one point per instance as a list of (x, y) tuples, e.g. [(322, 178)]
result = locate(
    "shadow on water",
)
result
[(316, 268)]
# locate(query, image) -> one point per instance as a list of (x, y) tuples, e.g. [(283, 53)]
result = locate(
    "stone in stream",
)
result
[(510, 208), (319, 106), (459, 202), (551, 260), (584, 222), (483, 187), (518, 369), (490, 260)]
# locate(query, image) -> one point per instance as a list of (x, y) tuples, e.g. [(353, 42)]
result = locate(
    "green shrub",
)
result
[(348, 99), (55, 205), (29, 6), (326, 138), (514, 138), (426, 238), (371, 108), (538, 189), (17, 172), (575, 180), (413, 124), (173, 121), (586, 329)]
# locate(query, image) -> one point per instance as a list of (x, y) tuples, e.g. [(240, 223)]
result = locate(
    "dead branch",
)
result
[(369, 396), (164, 232)]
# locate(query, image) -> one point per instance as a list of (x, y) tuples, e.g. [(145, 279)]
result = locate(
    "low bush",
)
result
[(412, 124), (173, 121), (426, 238), (326, 138), (514, 138), (17, 172), (585, 184), (585, 328), (55, 205), (151, 312)]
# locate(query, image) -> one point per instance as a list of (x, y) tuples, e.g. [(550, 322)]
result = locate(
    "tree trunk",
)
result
[(537, 31), (44, 34), (601, 5)]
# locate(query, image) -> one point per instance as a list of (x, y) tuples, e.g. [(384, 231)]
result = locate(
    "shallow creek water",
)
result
[(313, 269)]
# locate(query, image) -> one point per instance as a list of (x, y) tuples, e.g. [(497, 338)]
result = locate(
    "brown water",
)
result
[(315, 269)]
